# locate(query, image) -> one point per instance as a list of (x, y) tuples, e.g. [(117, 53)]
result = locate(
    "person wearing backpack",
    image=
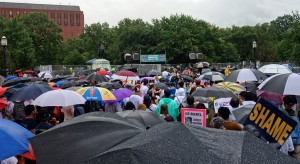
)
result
[(289, 102)]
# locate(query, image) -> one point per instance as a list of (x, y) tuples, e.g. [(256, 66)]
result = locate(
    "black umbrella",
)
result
[(87, 72), (111, 85), (82, 138), (58, 78), (242, 75), (68, 84), (187, 77), (30, 92), (163, 143), (146, 119), (154, 73), (15, 81), (236, 147), (13, 89), (242, 113), (35, 79), (96, 77), (212, 92), (74, 88), (161, 86)]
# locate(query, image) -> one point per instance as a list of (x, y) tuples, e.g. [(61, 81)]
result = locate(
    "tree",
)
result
[(75, 58)]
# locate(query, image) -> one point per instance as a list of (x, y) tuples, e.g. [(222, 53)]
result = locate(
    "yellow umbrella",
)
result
[(233, 87), (96, 94)]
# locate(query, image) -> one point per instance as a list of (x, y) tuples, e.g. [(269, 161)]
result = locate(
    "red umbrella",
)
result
[(3, 103), (2, 90), (28, 71), (125, 75), (271, 97), (102, 72)]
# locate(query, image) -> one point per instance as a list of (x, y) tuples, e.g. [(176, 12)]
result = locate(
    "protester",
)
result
[(44, 125), (135, 98), (30, 121), (165, 114), (113, 107), (218, 123), (68, 112), (224, 112), (173, 108), (190, 101), (129, 106), (144, 87), (142, 107)]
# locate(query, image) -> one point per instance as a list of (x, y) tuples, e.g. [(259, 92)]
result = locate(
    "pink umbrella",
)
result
[(125, 75), (271, 97)]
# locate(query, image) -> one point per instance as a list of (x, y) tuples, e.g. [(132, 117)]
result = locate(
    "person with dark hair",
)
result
[(289, 102), (224, 112), (234, 102), (129, 106), (165, 114), (173, 108), (30, 121), (135, 98), (44, 116), (218, 123), (144, 87), (190, 101), (172, 89)]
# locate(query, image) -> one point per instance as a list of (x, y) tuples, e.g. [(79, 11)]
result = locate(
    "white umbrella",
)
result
[(274, 69), (45, 74), (212, 76), (59, 98)]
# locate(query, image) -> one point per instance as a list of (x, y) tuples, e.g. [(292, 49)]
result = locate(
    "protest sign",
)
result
[(193, 116), (273, 124), (222, 102)]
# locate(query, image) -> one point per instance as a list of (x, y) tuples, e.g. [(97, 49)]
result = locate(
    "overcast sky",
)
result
[(223, 13)]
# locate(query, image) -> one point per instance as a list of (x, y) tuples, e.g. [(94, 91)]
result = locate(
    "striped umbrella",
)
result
[(242, 75), (212, 76), (96, 93), (233, 87), (284, 84)]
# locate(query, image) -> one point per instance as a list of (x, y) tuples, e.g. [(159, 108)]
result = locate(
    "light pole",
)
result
[(254, 51), (4, 45)]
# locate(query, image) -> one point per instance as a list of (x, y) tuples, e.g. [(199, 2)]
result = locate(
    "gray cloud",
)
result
[(223, 13)]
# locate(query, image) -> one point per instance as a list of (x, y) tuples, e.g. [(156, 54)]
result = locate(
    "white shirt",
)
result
[(144, 89), (11, 160), (152, 107), (180, 92), (287, 146), (136, 100)]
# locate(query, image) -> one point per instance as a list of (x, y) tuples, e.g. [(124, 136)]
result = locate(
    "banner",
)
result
[(153, 58), (273, 124), (222, 102), (193, 116)]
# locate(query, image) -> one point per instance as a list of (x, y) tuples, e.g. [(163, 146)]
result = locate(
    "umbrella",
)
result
[(91, 61), (87, 72), (125, 75), (242, 75), (284, 84), (2, 90), (120, 94), (15, 81), (242, 113), (45, 75), (274, 69), (233, 87), (271, 97), (142, 118), (59, 98), (82, 138), (154, 73), (59, 82), (237, 147), (163, 143), (14, 139), (96, 94), (3, 103), (111, 85), (68, 84), (212, 76), (96, 77), (58, 78), (35, 79), (28, 71), (160, 85), (74, 88), (147, 78), (11, 77), (187, 77), (103, 72), (30, 92), (212, 92), (13, 89)]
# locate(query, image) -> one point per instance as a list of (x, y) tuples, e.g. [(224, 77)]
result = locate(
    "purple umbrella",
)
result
[(120, 94)]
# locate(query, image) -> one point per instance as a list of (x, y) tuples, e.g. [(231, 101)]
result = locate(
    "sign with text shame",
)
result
[(273, 124), (193, 116)]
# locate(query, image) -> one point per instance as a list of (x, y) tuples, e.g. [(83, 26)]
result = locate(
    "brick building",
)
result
[(69, 18)]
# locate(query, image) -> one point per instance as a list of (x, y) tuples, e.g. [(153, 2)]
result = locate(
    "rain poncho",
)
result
[(173, 108)]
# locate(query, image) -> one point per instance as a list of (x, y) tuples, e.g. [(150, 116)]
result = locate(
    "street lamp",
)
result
[(4, 44), (254, 51)]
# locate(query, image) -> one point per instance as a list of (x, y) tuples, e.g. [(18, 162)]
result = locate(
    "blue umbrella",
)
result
[(13, 89), (11, 77), (30, 92), (14, 139), (59, 82)]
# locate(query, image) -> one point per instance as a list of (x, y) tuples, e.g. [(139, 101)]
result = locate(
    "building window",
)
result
[(25, 12), (18, 13), (66, 18), (4, 13), (78, 19), (10, 14), (53, 17), (59, 18), (72, 19)]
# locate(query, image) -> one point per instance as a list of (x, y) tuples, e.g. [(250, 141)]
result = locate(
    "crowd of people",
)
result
[(165, 102)]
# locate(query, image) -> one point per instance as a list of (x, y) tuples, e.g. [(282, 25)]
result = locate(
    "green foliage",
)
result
[(75, 58)]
